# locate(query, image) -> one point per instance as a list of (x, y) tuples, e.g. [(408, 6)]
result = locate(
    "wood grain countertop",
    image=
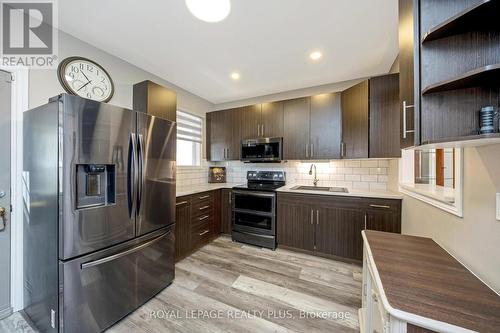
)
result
[(420, 278)]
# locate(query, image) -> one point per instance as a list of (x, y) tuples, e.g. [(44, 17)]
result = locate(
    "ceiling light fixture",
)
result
[(316, 55), (235, 76), (209, 10)]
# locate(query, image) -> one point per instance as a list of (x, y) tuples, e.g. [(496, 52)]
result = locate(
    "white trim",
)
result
[(20, 90), (406, 183), (431, 324)]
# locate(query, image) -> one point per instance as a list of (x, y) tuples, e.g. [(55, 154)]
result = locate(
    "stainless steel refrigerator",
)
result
[(99, 194)]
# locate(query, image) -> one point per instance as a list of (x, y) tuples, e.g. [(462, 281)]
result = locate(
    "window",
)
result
[(433, 176), (189, 131)]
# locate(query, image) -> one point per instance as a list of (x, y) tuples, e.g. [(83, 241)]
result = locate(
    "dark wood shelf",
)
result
[(481, 16), (462, 141), (479, 77)]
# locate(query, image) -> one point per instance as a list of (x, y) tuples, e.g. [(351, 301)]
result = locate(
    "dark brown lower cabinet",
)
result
[(338, 232), (295, 227), (226, 212), (331, 225), (198, 221), (182, 227)]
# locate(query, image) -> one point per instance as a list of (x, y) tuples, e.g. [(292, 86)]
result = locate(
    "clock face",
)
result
[(85, 78)]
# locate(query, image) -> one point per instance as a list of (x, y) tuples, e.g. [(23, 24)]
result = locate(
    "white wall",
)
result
[(475, 238), (44, 84), (327, 88)]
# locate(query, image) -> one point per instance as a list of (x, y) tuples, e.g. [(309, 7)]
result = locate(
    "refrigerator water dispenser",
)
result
[(95, 185)]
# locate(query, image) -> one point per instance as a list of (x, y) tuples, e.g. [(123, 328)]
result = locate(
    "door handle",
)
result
[(132, 176), (406, 131), (142, 174), (3, 217), (380, 206)]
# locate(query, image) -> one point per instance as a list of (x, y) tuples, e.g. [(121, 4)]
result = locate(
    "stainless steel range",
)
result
[(254, 208)]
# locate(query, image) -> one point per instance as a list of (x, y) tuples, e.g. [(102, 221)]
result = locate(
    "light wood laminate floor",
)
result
[(231, 287)]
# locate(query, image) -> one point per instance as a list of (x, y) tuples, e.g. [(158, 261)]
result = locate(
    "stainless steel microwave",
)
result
[(262, 150)]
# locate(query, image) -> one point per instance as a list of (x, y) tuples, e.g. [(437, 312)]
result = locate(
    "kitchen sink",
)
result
[(320, 188)]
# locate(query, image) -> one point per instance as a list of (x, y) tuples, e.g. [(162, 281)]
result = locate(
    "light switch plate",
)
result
[(498, 206)]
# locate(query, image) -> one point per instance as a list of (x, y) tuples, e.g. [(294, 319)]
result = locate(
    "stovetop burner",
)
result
[(267, 181)]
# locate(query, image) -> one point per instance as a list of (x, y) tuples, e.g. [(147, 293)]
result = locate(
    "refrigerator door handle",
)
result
[(132, 175), (141, 177), (124, 253)]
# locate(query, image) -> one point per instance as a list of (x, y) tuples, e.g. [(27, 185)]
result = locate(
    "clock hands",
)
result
[(85, 76), (84, 86)]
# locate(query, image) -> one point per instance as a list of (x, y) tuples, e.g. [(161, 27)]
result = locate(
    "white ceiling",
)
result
[(267, 41)]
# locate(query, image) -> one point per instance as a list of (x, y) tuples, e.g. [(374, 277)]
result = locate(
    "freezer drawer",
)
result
[(100, 289)]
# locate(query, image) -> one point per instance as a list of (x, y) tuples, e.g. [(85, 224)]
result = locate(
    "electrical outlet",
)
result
[(498, 206)]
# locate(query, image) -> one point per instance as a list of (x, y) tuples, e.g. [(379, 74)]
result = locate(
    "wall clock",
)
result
[(85, 78)]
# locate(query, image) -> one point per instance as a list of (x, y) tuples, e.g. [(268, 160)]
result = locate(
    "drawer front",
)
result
[(201, 233), (202, 197), (202, 219), (382, 204), (202, 208), (182, 201)]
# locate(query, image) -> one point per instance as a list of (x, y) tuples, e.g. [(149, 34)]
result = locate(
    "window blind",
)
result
[(189, 127)]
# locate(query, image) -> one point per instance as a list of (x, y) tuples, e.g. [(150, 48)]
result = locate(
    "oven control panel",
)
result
[(267, 175)]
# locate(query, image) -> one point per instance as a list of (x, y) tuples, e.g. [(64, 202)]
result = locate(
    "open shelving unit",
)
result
[(477, 26), (483, 76), (481, 16)]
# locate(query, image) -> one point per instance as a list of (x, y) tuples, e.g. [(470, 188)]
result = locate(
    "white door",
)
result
[(5, 114)]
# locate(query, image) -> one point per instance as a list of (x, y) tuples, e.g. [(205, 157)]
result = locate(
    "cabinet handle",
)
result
[(181, 203), (203, 217), (204, 197), (312, 216), (204, 232), (307, 150), (342, 149), (312, 149), (230, 199), (224, 154), (258, 130), (262, 130), (317, 217), (365, 221), (204, 207), (406, 131), (380, 206)]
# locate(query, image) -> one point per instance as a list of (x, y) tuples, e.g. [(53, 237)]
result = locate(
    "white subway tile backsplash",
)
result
[(357, 174), (369, 164), (369, 178)]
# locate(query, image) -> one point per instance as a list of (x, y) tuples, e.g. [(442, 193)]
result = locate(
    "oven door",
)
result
[(262, 150), (254, 202), (254, 212)]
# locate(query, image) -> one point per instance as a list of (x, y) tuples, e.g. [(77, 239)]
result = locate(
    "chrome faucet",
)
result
[(316, 180)]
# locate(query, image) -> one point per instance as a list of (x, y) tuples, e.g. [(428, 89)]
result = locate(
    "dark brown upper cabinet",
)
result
[(262, 120), (355, 109), (384, 117), (406, 73), (370, 119), (224, 135), (296, 132), (251, 121), (325, 126), (312, 127), (154, 99), (272, 119)]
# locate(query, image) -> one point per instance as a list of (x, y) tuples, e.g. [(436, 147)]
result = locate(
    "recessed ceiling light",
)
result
[(235, 76), (209, 10), (316, 55)]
